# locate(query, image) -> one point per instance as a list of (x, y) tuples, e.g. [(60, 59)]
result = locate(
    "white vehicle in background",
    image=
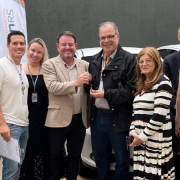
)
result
[(169, 49), (87, 158), (87, 53)]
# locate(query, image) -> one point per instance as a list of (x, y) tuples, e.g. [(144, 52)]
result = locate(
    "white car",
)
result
[(169, 49), (87, 53), (87, 158)]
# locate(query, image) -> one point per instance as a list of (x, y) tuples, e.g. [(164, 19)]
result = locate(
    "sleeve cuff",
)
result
[(143, 137)]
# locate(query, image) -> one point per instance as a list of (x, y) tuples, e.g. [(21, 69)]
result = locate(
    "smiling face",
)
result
[(108, 38), (16, 47), (147, 65), (66, 47), (35, 53)]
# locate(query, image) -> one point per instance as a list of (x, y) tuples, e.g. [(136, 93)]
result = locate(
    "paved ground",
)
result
[(90, 176)]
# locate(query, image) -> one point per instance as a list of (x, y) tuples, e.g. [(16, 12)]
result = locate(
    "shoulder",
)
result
[(162, 79), (81, 61), (3, 61), (172, 56), (98, 55), (51, 61), (164, 83)]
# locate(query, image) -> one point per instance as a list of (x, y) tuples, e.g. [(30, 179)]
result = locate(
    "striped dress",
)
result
[(153, 159)]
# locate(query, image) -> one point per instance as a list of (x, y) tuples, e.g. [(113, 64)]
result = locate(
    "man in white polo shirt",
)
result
[(13, 101)]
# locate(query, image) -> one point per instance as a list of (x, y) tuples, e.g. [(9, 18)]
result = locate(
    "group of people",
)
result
[(47, 104)]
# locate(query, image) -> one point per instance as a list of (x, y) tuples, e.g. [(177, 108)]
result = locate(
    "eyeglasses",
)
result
[(68, 44), (110, 37), (146, 61)]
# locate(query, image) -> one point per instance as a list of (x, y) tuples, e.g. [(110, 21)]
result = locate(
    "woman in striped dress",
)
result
[(151, 124)]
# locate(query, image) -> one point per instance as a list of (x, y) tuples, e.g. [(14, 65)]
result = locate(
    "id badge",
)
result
[(34, 97)]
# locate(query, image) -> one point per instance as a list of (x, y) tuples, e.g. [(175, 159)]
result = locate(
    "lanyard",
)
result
[(105, 62), (19, 72), (34, 82)]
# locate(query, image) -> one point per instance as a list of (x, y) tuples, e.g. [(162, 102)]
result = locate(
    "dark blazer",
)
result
[(171, 66)]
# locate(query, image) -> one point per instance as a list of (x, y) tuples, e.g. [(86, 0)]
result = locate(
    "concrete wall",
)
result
[(140, 22)]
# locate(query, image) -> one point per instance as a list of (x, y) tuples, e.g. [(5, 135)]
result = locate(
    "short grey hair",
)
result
[(111, 23)]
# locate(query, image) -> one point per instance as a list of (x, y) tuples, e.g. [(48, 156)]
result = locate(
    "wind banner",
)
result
[(12, 17)]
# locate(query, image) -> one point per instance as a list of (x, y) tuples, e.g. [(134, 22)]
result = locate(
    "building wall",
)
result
[(140, 22)]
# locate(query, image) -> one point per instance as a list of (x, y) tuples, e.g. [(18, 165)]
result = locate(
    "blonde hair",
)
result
[(142, 84), (42, 43)]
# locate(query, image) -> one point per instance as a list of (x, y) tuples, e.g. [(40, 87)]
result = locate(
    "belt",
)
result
[(104, 111)]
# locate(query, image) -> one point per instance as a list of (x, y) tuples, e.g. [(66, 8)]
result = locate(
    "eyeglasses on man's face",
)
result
[(110, 37), (146, 61)]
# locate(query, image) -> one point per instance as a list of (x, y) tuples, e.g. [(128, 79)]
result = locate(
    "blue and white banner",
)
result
[(12, 17)]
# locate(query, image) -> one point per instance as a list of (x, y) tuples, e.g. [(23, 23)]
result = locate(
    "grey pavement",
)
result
[(89, 177)]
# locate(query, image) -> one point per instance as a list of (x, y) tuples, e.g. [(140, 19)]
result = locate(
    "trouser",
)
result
[(74, 134), (175, 145), (103, 141), (11, 169)]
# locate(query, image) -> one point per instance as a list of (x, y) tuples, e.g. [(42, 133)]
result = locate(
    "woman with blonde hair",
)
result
[(151, 124), (34, 164)]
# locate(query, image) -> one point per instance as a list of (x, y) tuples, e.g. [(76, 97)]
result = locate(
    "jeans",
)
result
[(103, 141), (11, 169)]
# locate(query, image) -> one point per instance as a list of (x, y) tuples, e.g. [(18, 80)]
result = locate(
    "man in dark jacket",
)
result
[(113, 82), (171, 65)]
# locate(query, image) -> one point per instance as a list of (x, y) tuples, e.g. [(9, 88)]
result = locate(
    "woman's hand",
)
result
[(137, 141)]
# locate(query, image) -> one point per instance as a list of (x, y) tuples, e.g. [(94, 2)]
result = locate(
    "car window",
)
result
[(165, 52)]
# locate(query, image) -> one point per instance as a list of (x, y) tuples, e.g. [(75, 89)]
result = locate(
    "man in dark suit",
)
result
[(171, 66)]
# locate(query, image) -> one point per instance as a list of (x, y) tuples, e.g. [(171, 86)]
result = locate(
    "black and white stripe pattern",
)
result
[(153, 160)]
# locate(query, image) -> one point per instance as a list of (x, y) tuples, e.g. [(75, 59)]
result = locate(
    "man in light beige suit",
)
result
[(66, 119)]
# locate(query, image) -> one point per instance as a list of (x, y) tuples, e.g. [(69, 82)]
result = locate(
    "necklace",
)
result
[(19, 72), (34, 96)]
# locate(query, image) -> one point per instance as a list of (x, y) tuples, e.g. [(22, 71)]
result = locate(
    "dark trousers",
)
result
[(103, 141), (74, 134), (175, 145), (175, 142)]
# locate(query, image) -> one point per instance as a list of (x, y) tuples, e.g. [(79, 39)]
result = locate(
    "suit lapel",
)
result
[(62, 68), (78, 66)]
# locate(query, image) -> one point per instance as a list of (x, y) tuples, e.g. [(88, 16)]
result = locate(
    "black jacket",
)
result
[(171, 65), (119, 79)]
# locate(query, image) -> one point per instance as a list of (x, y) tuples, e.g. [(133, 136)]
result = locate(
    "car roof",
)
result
[(92, 51), (173, 47)]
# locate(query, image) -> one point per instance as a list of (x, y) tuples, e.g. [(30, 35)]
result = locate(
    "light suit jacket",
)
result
[(60, 90)]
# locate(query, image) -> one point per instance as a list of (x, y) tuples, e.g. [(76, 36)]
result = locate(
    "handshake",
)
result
[(84, 78)]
